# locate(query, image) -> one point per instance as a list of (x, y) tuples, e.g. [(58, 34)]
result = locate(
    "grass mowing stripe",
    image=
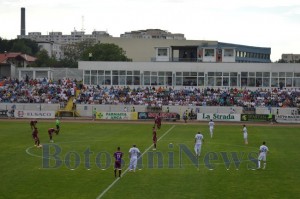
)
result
[(117, 179)]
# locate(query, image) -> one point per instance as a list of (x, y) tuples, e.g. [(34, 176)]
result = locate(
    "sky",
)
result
[(262, 23)]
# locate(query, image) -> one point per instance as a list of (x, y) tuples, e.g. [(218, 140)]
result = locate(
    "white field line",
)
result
[(117, 179)]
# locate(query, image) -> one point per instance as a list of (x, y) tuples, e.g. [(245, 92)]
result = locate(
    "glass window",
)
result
[(258, 82), (274, 74), (200, 81), (94, 80), (258, 74), (161, 73), (193, 73), (136, 80), (289, 74), (251, 82), (101, 80), (178, 73), (297, 74), (122, 80), (282, 74), (129, 72), (251, 74), (202, 74), (274, 82), (243, 81), (211, 81), (218, 74), (115, 80), (211, 73), (115, 72), (244, 74), (147, 80), (129, 80), (225, 74), (122, 72), (281, 82), (168, 73), (178, 81), (107, 80), (136, 72), (186, 74), (218, 81), (87, 79), (209, 52), (296, 82), (266, 82), (100, 72), (225, 81), (161, 80), (154, 73), (87, 72), (233, 80), (289, 82), (153, 80), (233, 74), (266, 74), (146, 72), (162, 52), (94, 72)]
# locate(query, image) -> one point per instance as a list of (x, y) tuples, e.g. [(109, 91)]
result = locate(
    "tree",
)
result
[(43, 60), (73, 52), (105, 52)]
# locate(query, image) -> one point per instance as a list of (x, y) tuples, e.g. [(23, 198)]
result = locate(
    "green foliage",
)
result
[(105, 52), (25, 46)]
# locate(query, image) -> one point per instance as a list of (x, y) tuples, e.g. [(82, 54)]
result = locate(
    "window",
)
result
[(209, 52), (162, 52)]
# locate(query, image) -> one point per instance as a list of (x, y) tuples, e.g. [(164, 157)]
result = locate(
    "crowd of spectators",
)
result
[(48, 91)]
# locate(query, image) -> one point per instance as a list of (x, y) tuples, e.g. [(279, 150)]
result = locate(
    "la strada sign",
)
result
[(218, 117)]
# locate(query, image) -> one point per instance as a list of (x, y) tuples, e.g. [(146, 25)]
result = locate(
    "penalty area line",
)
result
[(117, 179)]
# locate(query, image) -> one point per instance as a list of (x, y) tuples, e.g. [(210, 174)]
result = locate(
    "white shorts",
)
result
[(245, 136), (262, 156)]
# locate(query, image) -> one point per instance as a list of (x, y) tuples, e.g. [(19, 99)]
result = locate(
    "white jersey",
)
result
[(134, 152), (245, 132), (211, 124), (198, 138), (263, 149)]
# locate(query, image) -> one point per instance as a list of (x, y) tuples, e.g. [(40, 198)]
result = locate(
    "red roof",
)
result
[(5, 56)]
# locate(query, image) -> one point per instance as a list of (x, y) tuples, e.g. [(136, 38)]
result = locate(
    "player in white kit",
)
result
[(198, 143), (245, 132), (211, 125), (133, 154), (263, 150)]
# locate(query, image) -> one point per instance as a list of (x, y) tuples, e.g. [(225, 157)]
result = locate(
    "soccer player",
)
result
[(133, 154), (118, 161), (245, 132), (36, 138), (154, 138), (57, 124), (211, 125), (33, 124), (263, 149), (50, 132), (157, 121), (198, 143)]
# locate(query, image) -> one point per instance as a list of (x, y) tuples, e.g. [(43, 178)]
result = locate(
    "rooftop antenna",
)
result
[(82, 23)]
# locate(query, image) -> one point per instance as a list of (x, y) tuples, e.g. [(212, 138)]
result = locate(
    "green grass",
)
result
[(23, 174)]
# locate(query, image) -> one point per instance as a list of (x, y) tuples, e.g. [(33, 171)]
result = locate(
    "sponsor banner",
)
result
[(254, 117), (3, 113), (288, 118), (152, 115), (34, 114), (116, 115), (219, 117)]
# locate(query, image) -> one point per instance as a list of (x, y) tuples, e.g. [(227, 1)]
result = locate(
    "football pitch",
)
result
[(79, 164)]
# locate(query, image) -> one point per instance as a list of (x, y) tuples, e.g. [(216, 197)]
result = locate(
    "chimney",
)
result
[(23, 21)]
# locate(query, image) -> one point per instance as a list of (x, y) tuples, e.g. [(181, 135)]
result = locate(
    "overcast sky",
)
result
[(263, 23)]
